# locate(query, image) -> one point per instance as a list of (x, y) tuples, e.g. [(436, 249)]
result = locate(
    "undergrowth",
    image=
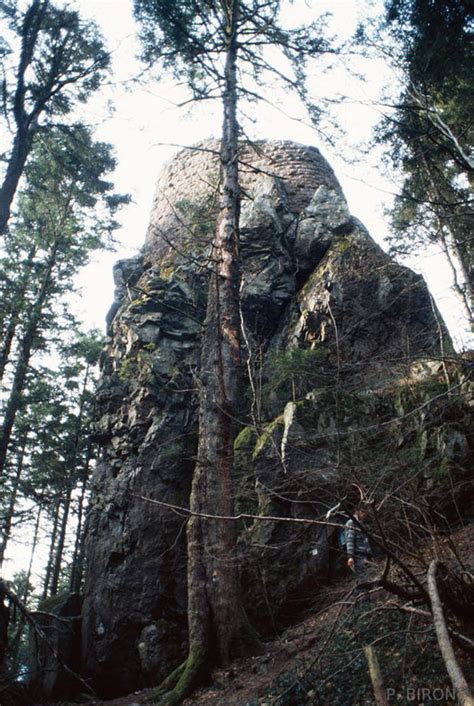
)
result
[(335, 671)]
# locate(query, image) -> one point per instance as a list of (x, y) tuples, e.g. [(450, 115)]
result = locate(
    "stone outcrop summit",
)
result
[(330, 322)]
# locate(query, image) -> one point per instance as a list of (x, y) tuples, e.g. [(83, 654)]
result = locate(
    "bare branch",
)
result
[(458, 680)]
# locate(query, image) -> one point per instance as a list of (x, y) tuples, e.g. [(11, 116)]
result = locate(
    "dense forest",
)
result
[(178, 482)]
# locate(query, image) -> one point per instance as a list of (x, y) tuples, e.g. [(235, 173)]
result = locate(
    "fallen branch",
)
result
[(452, 666), (466, 642), (302, 520), (375, 675)]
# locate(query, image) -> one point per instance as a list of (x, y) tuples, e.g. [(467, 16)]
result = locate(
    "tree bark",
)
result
[(72, 464), (17, 308), (375, 676), (15, 644), (7, 527), (26, 124), (450, 245), (52, 544), (16, 164), (215, 614), (61, 540), (34, 546), (78, 554), (212, 572)]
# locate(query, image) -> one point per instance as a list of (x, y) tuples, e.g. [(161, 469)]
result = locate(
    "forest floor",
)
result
[(290, 668), (248, 677)]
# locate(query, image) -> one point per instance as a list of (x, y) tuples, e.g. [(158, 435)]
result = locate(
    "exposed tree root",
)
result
[(179, 683), (192, 672), (166, 685)]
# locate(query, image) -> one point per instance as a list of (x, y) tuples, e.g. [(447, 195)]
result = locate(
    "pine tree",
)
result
[(60, 61), (430, 132), (206, 43), (56, 459), (65, 212)]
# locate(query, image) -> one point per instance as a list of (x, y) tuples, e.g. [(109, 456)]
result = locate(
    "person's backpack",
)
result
[(342, 538)]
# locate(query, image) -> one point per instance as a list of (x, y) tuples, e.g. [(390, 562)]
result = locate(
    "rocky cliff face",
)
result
[(332, 326)]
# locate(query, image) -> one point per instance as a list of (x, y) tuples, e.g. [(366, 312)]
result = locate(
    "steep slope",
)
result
[(320, 660)]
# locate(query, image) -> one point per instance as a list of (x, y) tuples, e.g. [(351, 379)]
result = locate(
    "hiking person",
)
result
[(357, 548)]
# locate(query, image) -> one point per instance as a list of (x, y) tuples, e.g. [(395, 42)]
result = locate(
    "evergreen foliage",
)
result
[(64, 210), (191, 40), (51, 60), (429, 134)]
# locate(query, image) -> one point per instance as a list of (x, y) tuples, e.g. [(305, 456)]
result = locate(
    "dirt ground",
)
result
[(250, 677)]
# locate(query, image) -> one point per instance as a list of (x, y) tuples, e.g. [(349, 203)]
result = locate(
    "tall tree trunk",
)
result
[(215, 615), (26, 125), (15, 644), (212, 568), (7, 527), (464, 295), (450, 245), (72, 463), (458, 680), (61, 541), (78, 555), (16, 394), (34, 546), (52, 544), (21, 148), (17, 308)]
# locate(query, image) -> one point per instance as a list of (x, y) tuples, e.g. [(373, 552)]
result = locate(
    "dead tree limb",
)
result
[(458, 680), (464, 642), (375, 675)]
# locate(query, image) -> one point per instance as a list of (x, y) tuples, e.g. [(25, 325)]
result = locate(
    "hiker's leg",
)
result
[(360, 569), (361, 576)]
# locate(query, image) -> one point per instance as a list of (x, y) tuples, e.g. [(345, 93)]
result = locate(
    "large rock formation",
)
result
[(332, 326)]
